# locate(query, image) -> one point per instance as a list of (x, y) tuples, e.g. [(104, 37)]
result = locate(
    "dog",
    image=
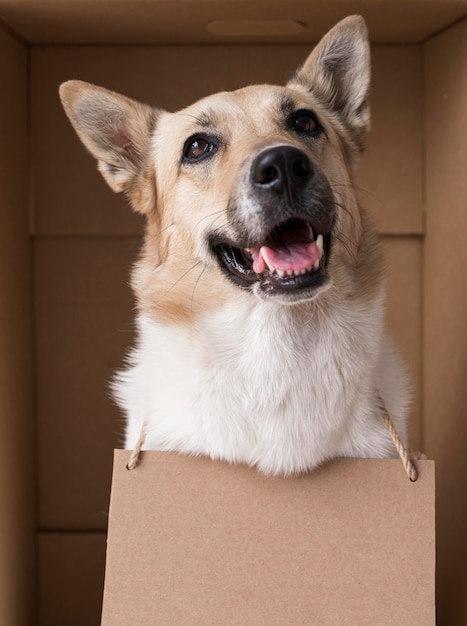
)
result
[(259, 288)]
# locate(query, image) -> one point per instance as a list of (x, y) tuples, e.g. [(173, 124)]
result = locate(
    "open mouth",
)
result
[(292, 258)]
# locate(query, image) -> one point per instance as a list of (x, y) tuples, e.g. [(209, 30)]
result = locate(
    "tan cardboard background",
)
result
[(17, 453), (71, 583), (84, 239), (445, 305)]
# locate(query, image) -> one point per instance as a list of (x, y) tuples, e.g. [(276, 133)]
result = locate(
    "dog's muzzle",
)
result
[(284, 227)]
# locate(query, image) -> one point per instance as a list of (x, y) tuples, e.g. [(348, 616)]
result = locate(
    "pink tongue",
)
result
[(295, 256)]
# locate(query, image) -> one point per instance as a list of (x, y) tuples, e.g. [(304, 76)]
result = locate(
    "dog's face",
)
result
[(253, 166), (252, 186)]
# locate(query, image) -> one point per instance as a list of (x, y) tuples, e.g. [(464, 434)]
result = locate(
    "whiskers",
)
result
[(188, 271), (203, 269), (217, 222), (346, 237)]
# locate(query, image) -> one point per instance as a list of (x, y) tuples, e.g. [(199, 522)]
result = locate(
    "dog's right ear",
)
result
[(338, 73), (116, 130)]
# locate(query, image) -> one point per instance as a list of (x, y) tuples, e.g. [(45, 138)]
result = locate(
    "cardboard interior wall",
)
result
[(84, 240), (445, 307), (17, 450)]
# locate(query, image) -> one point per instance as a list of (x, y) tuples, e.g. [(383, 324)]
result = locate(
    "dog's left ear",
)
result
[(338, 74)]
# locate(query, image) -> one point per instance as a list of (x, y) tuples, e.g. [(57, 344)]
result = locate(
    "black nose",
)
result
[(281, 168)]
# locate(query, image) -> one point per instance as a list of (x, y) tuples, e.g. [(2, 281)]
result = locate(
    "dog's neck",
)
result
[(242, 381)]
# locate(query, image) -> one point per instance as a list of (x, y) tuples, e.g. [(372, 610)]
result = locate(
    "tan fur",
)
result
[(170, 286)]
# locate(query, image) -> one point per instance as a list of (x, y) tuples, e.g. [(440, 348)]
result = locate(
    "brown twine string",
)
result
[(136, 453), (404, 455), (407, 462)]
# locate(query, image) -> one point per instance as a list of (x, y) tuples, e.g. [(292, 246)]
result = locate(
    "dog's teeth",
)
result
[(267, 261), (316, 265), (320, 244), (281, 273), (310, 232), (298, 272)]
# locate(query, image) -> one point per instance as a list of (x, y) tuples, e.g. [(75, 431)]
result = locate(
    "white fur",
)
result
[(283, 388)]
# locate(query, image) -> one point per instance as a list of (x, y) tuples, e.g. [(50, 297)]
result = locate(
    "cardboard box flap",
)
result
[(186, 21), (192, 541)]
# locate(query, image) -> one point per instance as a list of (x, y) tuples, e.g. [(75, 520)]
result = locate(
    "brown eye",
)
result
[(305, 122), (198, 147)]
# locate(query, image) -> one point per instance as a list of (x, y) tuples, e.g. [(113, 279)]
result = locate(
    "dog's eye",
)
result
[(305, 122), (198, 147)]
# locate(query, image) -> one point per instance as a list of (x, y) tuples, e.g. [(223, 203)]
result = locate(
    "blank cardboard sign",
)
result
[(193, 541)]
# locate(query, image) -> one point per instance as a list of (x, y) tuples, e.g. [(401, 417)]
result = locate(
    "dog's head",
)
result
[(252, 185)]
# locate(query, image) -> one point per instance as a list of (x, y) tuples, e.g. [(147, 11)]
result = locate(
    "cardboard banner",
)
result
[(193, 541)]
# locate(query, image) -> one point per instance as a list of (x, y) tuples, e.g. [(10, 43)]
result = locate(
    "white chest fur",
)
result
[(264, 386)]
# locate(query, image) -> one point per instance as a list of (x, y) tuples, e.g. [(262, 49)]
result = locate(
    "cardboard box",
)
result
[(66, 244)]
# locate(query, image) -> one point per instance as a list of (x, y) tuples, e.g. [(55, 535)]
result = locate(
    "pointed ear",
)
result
[(338, 74), (116, 130)]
